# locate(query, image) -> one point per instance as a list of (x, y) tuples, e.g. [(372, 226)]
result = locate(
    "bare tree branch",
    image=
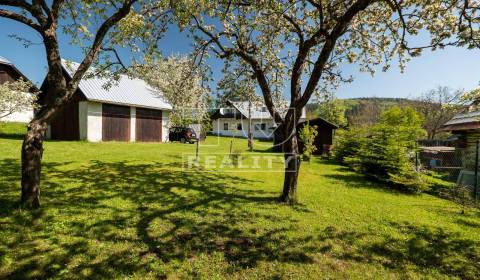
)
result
[(20, 18), (97, 42)]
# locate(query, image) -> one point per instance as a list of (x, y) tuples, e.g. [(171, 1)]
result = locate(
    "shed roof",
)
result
[(12, 66), (463, 121), (318, 121), (3, 60), (126, 91)]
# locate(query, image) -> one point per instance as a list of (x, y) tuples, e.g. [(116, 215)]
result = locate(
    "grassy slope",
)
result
[(127, 210)]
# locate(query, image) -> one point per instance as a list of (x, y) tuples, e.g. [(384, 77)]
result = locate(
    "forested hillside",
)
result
[(361, 111)]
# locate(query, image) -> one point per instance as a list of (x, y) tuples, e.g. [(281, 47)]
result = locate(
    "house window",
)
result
[(264, 109), (225, 126), (239, 126), (263, 126)]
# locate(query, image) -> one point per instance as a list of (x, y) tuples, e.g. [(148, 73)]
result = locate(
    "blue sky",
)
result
[(453, 67)]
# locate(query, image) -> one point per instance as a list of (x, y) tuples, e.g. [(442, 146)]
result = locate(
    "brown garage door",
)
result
[(149, 125), (116, 123), (66, 125)]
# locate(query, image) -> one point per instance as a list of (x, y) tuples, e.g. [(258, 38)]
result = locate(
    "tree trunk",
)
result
[(32, 151), (250, 135), (292, 167)]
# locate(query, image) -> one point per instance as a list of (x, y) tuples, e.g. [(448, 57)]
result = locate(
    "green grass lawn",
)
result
[(121, 210)]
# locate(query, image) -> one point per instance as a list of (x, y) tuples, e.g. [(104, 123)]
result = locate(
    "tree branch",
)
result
[(262, 82), (328, 47), (117, 56), (56, 7), (20, 18), (96, 45), (296, 27)]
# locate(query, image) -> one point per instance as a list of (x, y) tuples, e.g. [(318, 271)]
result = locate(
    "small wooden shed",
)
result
[(323, 141), (466, 126)]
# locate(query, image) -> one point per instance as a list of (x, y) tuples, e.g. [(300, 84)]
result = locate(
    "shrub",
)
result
[(307, 135), (410, 180), (386, 150), (347, 142)]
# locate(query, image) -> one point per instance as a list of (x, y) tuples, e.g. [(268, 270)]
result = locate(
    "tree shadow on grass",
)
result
[(12, 136), (112, 219), (156, 208), (468, 223), (425, 247), (355, 180)]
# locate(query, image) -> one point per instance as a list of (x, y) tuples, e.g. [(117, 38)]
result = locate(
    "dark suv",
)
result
[(182, 134)]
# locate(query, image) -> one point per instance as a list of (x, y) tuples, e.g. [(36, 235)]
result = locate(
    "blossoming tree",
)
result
[(16, 97), (182, 84), (99, 27), (300, 45)]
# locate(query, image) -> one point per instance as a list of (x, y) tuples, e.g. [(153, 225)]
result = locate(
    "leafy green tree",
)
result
[(347, 142), (386, 152), (332, 110), (301, 46), (182, 85), (307, 135)]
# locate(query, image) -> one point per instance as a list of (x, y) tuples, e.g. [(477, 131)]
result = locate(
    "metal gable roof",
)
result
[(126, 91), (259, 110)]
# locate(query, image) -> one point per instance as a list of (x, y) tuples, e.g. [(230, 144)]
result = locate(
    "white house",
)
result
[(128, 110), (10, 73), (234, 120)]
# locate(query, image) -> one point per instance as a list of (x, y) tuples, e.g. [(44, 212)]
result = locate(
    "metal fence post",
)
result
[(416, 156), (475, 191)]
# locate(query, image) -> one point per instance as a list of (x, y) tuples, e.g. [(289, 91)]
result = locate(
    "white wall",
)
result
[(94, 122), (83, 119), (165, 125), (133, 124), (23, 117), (233, 131)]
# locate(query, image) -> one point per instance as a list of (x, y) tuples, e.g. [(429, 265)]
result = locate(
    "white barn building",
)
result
[(128, 110)]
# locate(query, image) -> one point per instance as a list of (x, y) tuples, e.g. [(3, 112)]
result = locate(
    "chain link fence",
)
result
[(456, 164)]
